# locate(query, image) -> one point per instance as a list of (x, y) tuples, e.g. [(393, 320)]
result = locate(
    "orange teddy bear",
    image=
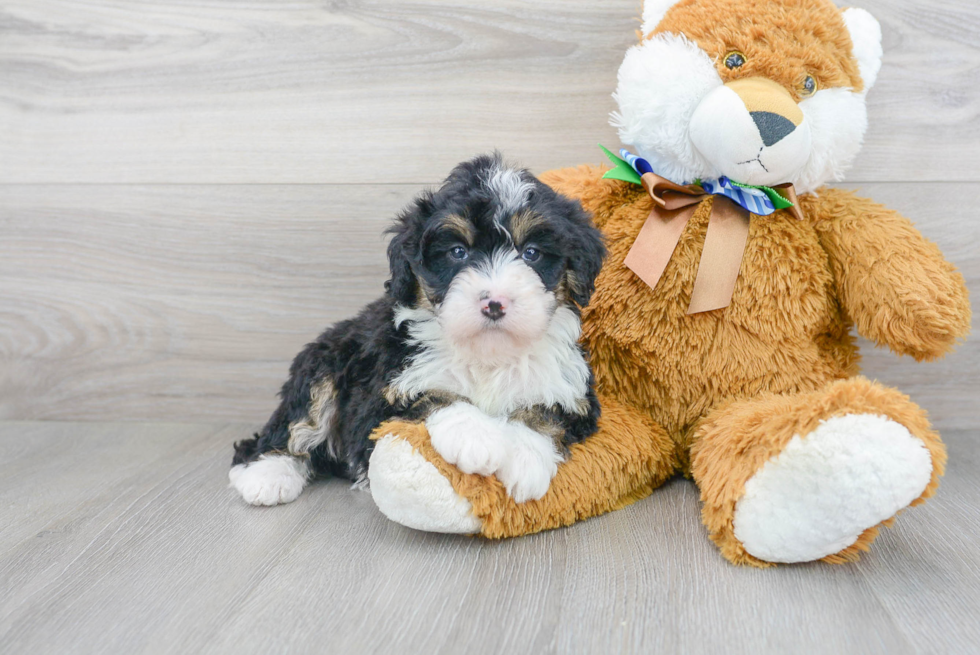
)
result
[(720, 332)]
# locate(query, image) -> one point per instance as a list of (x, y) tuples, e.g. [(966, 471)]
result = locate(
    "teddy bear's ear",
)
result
[(866, 37), (653, 13)]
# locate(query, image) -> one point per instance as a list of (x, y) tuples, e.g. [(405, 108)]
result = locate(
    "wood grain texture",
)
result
[(176, 91), (188, 302), (162, 558)]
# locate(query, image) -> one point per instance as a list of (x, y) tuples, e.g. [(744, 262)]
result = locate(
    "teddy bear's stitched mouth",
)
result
[(758, 160)]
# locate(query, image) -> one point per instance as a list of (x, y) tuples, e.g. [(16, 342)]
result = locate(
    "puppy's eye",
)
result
[(809, 87), (734, 59), (531, 255), (458, 253)]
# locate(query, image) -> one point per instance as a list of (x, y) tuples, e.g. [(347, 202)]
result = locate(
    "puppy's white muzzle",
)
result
[(503, 297)]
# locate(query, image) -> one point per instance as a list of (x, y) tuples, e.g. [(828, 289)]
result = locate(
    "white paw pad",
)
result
[(467, 438), (271, 479), (409, 490), (821, 492)]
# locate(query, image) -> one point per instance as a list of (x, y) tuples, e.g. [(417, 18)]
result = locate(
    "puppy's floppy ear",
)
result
[(403, 250), (586, 251)]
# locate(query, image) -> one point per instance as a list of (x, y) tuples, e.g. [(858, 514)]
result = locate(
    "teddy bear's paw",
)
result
[(467, 438), (530, 464), (271, 479), (409, 490), (824, 490)]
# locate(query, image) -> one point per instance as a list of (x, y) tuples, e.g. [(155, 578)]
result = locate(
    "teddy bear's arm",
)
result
[(892, 282), (584, 183)]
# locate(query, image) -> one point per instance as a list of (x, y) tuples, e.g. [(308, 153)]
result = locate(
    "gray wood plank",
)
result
[(933, 560), (662, 587), (31, 451), (157, 298), (173, 91), (169, 560), (188, 302)]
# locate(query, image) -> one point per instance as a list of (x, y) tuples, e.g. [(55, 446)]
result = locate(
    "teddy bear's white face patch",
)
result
[(661, 83), (838, 119), (746, 138), (676, 112)]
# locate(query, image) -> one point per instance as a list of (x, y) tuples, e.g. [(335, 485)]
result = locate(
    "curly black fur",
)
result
[(357, 359)]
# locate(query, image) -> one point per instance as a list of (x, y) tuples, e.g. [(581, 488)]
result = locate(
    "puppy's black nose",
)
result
[(494, 310)]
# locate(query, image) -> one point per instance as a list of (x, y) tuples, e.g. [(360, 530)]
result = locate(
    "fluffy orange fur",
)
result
[(738, 437), (780, 41), (625, 461), (717, 394)]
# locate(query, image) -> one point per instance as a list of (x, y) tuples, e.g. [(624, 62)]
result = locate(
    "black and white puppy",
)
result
[(477, 335)]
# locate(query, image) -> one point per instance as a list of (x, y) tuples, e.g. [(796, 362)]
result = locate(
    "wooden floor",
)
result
[(190, 191), (122, 538)]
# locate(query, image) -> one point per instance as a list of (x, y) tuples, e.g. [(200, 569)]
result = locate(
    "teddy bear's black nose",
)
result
[(773, 127)]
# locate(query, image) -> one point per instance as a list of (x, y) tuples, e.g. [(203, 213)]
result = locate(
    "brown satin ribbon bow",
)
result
[(724, 243)]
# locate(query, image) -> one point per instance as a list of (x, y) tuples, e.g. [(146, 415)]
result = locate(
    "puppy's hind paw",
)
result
[(271, 479), (467, 438)]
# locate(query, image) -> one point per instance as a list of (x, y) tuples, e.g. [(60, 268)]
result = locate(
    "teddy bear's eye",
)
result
[(809, 86), (734, 59)]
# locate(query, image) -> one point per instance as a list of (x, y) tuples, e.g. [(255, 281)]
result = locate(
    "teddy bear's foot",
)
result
[(824, 490), (810, 476), (410, 490), (624, 461)]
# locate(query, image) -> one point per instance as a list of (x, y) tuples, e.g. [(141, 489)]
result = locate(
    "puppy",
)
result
[(477, 335)]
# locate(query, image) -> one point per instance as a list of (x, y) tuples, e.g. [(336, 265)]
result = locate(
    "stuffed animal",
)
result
[(720, 327)]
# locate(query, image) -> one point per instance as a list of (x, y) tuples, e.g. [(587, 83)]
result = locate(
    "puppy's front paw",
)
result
[(530, 465), (467, 438)]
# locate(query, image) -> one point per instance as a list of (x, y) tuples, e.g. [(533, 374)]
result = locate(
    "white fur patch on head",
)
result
[(510, 188), (409, 490), (654, 12), (271, 479), (866, 37), (661, 83), (823, 490)]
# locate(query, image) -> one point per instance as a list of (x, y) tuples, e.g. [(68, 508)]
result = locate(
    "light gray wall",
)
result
[(189, 192)]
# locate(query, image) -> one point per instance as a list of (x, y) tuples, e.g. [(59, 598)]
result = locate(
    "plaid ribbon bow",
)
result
[(727, 230), (758, 200)]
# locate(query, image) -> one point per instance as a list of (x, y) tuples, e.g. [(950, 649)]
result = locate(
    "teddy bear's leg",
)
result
[(623, 462), (809, 476), (410, 490)]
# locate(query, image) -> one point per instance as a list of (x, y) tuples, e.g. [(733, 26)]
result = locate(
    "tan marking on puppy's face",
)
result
[(461, 227), (781, 40), (522, 224), (423, 297), (573, 283), (561, 291)]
